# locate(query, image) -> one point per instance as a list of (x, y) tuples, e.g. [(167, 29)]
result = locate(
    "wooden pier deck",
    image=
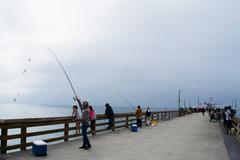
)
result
[(191, 137)]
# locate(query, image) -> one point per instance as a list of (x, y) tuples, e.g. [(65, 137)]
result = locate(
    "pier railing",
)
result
[(60, 129), (236, 125)]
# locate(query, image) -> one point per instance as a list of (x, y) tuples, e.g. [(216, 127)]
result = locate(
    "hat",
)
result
[(85, 105)]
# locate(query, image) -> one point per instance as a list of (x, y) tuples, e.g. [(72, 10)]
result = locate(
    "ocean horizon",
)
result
[(16, 111)]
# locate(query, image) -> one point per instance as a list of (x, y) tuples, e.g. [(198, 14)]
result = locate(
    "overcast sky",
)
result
[(144, 49)]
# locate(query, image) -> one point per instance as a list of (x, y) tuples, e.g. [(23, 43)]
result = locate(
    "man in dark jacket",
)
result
[(110, 115)]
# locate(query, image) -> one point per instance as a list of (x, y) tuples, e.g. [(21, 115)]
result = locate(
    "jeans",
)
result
[(86, 142), (110, 124)]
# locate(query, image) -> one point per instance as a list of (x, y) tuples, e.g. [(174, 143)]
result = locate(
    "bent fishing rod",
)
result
[(65, 73)]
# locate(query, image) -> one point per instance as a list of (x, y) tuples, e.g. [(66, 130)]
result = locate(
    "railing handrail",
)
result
[(122, 120)]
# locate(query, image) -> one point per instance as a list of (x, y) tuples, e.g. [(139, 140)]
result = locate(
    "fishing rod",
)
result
[(65, 73), (132, 107)]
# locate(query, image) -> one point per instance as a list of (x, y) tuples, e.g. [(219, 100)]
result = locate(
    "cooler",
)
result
[(39, 148), (134, 128)]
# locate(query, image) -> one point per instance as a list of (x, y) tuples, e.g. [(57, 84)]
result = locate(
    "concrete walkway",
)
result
[(186, 138)]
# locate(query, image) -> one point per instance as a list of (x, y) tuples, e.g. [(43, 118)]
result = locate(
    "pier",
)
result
[(174, 138)]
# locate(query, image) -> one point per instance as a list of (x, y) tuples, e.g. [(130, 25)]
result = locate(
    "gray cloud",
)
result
[(146, 50)]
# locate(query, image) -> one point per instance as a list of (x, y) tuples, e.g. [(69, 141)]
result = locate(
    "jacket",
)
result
[(85, 117), (139, 113), (109, 112)]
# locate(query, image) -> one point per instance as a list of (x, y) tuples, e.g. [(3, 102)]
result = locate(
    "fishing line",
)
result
[(65, 73), (132, 107)]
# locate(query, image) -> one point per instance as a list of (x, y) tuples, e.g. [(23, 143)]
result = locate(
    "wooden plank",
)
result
[(32, 134), (123, 126)]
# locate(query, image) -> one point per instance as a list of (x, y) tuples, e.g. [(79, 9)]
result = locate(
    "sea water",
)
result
[(16, 111)]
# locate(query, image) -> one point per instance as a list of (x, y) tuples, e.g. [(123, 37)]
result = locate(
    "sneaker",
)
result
[(82, 147)]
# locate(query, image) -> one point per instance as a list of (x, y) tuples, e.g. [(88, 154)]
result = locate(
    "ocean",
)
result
[(15, 111), (238, 112)]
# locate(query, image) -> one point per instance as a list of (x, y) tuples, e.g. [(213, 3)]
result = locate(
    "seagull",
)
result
[(25, 71)]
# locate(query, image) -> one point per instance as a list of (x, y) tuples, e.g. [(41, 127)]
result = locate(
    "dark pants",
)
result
[(93, 127), (111, 123), (86, 142), (139, 122)]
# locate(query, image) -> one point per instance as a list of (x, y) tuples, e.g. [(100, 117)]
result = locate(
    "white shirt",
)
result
[(228, 115)]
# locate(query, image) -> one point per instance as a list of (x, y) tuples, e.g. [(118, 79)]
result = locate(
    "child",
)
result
[(76, 118), (93, 120), (148, 115)]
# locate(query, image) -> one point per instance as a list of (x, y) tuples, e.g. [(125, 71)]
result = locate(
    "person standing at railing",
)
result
[(85, 124), (228, 120), (148, 115), (93, 120), (139, 116), (76, 118), (110, 115)]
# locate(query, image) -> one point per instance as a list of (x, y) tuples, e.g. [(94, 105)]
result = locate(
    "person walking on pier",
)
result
[(93, 120), (76, 118), (110, 115), (85, 124), (139, 116), (203, 111)]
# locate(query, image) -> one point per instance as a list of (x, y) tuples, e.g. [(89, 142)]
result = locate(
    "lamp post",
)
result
[(179, 99)]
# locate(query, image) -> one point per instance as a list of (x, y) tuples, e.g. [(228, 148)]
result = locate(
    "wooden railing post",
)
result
[(113, 127), (66, 131), (127, 119), (23, 139), (4, 140)]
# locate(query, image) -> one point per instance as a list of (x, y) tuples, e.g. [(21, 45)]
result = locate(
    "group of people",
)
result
[(88, 118), (215, 114), (88, 115), (226, 115), (139, 114), (227, 119)]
